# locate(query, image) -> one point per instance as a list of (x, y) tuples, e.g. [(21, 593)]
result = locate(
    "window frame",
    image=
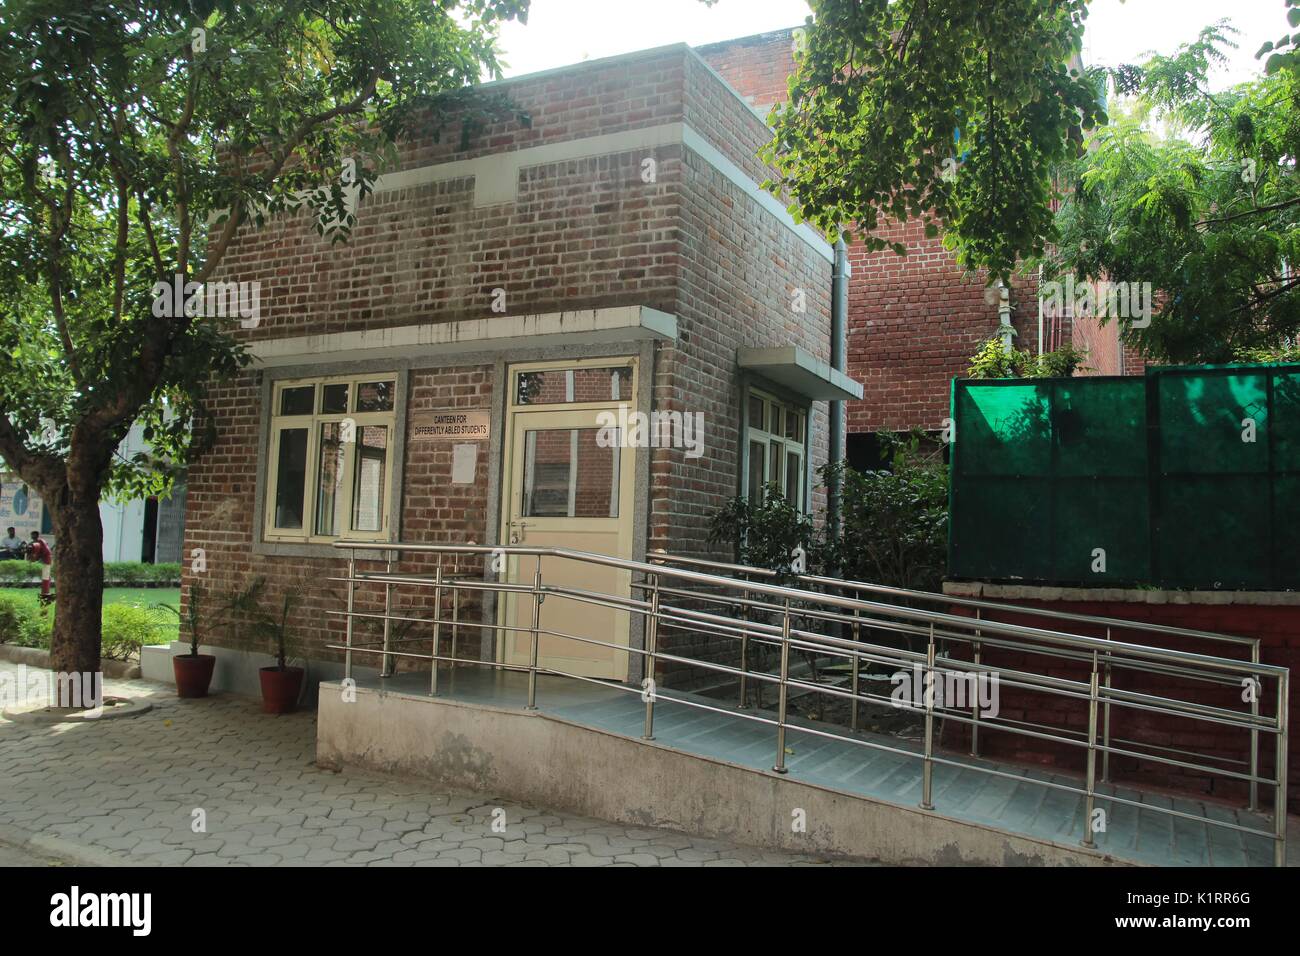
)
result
[(776, 446), (313, 422)]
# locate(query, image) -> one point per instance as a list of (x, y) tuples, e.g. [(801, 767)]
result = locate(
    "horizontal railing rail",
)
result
[(716, 600)]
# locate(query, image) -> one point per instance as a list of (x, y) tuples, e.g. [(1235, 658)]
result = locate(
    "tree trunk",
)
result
[(79, 563)]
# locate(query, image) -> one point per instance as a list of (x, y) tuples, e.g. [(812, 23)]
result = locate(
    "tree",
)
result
[(136, 141), (945, 110), (1198, 195)]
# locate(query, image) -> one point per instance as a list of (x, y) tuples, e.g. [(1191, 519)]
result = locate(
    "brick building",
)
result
[(442, 376), (914, 322)]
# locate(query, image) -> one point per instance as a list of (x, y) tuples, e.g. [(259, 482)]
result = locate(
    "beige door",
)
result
[(569, 486)]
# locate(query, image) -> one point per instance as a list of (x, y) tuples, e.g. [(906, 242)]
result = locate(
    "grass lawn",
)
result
[(146, 597)]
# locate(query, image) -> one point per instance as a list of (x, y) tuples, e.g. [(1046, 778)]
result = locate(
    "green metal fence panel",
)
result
[(1185, 478)]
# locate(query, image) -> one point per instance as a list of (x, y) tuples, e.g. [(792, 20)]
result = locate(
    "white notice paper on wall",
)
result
[(464, 462)]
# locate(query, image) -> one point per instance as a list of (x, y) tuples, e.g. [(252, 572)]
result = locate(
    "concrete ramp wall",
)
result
[(541, 759)]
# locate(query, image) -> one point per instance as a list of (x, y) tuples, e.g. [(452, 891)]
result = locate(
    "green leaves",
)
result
[(1198, 195), (868, 134)]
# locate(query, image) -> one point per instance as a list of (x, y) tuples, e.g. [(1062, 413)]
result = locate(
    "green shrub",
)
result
[(137, 572), (894, 522), (13, 618), (165, 572), (18, 572), (36, 628), (994, 359), (764, 535), (127, 627)]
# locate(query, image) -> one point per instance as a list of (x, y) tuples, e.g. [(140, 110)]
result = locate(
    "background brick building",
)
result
[(620, 233), (914, 321)]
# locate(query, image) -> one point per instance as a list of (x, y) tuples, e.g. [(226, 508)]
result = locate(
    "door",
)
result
[(570, 484)]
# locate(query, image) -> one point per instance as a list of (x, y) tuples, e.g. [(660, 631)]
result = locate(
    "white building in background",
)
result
[(143, 529)]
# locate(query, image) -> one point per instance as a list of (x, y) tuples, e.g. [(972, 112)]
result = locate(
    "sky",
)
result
[(562, 32)]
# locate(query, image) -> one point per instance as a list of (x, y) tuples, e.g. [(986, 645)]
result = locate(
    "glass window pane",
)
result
[(560, 386), (334, 399), (375, 396), (290, 477), (757, 454), (756, 406), (299, 400), (329, 471), (567, 474), (774, 470), (793, 477), (794, 426), (369, 475), (774, 423)]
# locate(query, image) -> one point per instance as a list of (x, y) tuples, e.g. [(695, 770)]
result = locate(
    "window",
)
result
[(776, 439), (329, 469)]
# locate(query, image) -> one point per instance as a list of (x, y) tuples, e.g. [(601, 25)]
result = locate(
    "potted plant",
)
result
[(281, 684), (193, 670)]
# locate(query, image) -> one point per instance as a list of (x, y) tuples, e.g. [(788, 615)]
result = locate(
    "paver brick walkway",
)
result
[(134, 788)]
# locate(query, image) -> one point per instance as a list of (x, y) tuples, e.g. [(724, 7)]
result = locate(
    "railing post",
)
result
[(927, 770), (975, 708), (1090, 798), (437, 627), (352, 573), (386, 670), (744, 652), (651, 640), (857, 662), (1280, 771), (537, 620), (1105, 723), (1254, 731), (785, 676), (455, 621)]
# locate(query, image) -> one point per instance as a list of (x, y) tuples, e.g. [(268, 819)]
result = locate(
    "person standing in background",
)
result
[(40, 551)]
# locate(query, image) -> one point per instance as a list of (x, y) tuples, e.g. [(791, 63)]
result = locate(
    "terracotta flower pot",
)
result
[(280, 689), (193, 674)]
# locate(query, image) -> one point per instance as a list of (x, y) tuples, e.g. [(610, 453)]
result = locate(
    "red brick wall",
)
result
[(1278, 628), (914, 323), (757, 66), (581, 234)]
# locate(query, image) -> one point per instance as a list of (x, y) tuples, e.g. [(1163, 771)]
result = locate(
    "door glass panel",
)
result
[(290, 477), (334, 399), (369, 478), (329, 490), (562, 386), (298, 401), (567, 474)]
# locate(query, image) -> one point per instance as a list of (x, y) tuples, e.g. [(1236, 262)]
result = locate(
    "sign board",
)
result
[(20, 506), (471, 424)]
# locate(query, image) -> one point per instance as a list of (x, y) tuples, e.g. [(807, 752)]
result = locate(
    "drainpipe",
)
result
[(1040, 311), (839, 326), (1004, 315)]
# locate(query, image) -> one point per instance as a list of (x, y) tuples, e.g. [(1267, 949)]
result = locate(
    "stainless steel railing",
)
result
[(986, 610), (675, 595)]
